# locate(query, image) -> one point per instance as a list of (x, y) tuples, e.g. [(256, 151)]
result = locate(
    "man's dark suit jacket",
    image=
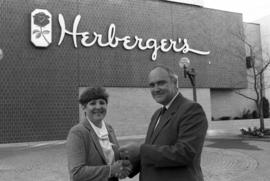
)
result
[(86, 160), (172, 152)]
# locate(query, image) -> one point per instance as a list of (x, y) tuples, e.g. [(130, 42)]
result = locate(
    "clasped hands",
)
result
[(121, 168), (129, 152)]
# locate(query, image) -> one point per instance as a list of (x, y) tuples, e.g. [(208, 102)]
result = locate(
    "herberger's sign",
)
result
[(164, 45)]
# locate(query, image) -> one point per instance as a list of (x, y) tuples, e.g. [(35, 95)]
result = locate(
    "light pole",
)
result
[(1, 54), (190, 73)]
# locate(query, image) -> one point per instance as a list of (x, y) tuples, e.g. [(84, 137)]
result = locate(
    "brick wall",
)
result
[(39, 86)]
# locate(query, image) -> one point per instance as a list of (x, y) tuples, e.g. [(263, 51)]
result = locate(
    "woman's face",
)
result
[(96, 110)]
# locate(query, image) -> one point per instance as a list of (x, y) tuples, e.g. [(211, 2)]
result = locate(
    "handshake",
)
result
[(123, 167)]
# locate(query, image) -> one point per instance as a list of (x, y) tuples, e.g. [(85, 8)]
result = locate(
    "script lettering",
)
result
[(164, 45)]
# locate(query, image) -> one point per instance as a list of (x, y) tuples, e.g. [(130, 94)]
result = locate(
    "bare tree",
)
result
[(258, 65)]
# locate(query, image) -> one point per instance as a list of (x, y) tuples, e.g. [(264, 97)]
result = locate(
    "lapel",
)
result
[(152, 125), (114, 141), (94, 138), (166, 117)]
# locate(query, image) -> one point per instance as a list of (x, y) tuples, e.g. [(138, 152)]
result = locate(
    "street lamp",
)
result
[(184, 63), (1, 54)]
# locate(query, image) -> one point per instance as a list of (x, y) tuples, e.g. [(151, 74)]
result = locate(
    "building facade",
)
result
[(114, 44), (265, 36), (227, 102)]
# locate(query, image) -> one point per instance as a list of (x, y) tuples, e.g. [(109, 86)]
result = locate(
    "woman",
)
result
[(92, 145)]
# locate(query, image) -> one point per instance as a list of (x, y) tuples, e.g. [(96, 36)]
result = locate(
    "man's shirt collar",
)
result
[(169, 104)]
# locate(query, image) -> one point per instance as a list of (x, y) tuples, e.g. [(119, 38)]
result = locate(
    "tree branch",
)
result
[(241, 94)]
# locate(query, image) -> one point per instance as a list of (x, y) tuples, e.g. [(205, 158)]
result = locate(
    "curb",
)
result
[(32, 144), (211, 133), (57, 142)]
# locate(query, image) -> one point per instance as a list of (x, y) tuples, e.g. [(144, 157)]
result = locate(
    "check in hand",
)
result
[(121, 169)]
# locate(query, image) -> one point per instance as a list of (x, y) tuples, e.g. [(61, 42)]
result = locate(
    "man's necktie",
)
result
[(162, 112)]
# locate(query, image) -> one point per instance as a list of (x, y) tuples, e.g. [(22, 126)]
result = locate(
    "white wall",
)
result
[(130, 109), (203, 97), (228, 103)]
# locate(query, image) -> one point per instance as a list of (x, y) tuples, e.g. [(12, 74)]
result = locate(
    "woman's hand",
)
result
[(121, 169)]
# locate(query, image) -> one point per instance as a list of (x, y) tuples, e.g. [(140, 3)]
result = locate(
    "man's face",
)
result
[(161, 85)]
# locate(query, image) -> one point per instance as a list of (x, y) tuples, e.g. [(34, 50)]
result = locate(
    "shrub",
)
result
[(257, 132), (246, 114), (255, 115), (225, 118), (236, 118), (267, 131)]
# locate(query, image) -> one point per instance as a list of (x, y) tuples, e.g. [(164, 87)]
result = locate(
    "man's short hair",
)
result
[(173, 76)]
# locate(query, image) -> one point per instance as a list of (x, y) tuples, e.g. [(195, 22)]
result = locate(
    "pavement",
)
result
[(226, 156)]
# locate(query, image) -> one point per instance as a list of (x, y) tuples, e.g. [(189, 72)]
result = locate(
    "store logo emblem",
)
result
[(41, 28)]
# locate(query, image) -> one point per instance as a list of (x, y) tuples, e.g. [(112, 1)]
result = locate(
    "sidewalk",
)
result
[(226, 157)]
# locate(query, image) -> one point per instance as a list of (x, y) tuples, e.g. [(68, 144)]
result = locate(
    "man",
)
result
[(174, 140)]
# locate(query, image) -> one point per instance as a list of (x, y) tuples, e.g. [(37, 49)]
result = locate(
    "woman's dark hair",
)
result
[(93, 93)]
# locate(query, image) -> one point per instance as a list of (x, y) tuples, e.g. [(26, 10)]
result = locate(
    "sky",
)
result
[(251, 9)]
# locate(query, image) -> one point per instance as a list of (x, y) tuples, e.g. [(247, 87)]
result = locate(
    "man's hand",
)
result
[(127, 167), (121, 169), (130, 151)]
